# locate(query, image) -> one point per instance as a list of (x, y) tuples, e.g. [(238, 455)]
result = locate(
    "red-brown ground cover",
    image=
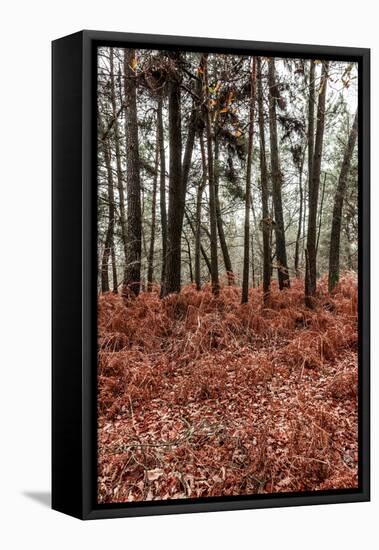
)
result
[(201, 396)]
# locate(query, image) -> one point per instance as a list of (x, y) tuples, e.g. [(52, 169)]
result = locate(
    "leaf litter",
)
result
[(200, 396)]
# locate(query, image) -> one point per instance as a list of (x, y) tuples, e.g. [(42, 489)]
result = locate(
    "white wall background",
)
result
[(27, 29)]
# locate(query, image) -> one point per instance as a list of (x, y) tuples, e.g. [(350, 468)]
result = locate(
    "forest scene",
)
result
[(227, 230)]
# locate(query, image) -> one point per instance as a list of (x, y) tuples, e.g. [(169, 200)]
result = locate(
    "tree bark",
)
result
[(298, 236), (109, 238), (313, 191), (200, 190), (276, 174), (175, 203), (211, 183), (120, 179), (178, 178), (132, 275), (246, 260), (114, 269), (266, 222), (311, 121), (189, 257), (320, 213), (162, 190), (252, 260), (220, 225), (150, 259), (335, 235), (311, 144), (202, 250)]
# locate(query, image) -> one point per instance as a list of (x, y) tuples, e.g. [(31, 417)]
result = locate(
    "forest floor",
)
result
[(201, 396)]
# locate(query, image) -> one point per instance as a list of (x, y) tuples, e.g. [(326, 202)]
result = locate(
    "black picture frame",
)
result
[(74, 271)]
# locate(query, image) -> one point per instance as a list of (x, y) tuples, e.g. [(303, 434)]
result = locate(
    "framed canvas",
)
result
[(210, 274)]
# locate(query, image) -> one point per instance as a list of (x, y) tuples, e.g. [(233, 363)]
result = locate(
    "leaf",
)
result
[(285, 482), (224, 110), (133, 64), (152, 475)]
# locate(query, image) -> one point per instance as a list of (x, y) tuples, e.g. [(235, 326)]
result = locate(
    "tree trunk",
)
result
[(175, 202), (311, 144), (298, 236), (120, 179), (162, 190), (311, 121), (281, 253), (150, 259), (334, 252), (255, 231), (320, 213), (179, 174), (347, 231), (189, 257), (132, 275), (266, 222), (104, 265), (211, 184), (305, 193), (252, 260), (114, 269), (187, 157), (144, 250), (245, 277), (313, 191), (109, 238), (202, 250), (200, 190), (220, 225)]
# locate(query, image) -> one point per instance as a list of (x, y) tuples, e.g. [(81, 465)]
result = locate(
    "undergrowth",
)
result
[(202, 396)]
